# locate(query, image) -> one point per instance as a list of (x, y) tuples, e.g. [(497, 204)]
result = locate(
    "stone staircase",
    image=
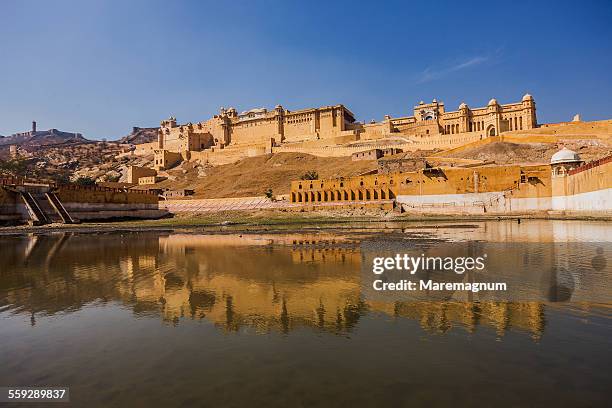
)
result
[(59, 208), (44, 206), (37, 215)]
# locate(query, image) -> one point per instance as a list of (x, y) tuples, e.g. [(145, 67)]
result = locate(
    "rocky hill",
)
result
[(140, 135), (511, 153), (99, 161), (62, 156)]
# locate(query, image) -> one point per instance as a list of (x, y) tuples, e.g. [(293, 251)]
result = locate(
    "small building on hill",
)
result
[(375, 154)]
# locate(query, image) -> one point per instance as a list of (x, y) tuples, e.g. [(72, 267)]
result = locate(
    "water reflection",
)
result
[(260, 283), (178, 319)]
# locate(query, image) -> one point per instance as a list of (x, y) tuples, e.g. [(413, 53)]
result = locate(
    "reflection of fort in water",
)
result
[(276, 282)]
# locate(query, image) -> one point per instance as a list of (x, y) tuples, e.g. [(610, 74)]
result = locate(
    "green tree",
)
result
[(310, 175), (14, 167), (60, 178), (85, 181)]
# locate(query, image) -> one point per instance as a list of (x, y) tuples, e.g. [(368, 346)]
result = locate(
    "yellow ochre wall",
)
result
[(578, 182), (532, 181), (100, 195)]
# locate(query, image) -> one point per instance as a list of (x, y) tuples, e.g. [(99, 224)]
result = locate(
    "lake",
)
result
[(289, 318)]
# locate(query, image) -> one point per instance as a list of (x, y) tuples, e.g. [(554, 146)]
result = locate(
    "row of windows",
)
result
[(476, 126), (451, 129), (299, 120), (514, 124), (252, 124), (300, 117), (344, 195), (361, 183)]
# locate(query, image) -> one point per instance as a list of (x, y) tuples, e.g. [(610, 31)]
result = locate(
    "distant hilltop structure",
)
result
[(230, 135), (25, 134), (40, 137)]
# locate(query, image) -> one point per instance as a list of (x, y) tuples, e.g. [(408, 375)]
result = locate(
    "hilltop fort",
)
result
[(230, 136)]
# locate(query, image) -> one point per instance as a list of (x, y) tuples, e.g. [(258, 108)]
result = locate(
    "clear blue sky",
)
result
[(101, 67)]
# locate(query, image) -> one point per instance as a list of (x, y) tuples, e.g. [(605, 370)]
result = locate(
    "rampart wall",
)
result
[(82, 202)]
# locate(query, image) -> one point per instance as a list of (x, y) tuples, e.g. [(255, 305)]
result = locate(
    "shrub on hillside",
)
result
[(310, 175), (85, 181)]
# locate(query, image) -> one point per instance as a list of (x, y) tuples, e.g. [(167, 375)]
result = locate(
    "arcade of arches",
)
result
[(363, 188)]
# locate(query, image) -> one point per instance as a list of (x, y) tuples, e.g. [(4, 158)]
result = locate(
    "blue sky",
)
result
[(101, 67)]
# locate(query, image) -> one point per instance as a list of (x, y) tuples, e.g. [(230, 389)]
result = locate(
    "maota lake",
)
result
[(286, 318)]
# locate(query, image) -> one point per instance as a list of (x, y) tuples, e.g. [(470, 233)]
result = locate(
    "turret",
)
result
[(529, 112), (169, 123), (564, 160)]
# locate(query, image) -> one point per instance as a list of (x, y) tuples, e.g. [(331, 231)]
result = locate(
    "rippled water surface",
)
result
[(288, 319)]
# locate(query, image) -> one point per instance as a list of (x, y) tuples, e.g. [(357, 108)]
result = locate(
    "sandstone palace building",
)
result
[(333, 130)]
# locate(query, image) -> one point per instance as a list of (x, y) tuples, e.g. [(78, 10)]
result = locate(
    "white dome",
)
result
[(492, 102), (565, 155), (527, 97), (463, 106)]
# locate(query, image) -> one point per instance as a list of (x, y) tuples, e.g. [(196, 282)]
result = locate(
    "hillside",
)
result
[(509, 153), (253, 176), (601, 129), (140, 135), (100, 161), (62, 156)]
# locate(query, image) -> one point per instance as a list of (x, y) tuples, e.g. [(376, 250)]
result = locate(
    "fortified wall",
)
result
[(96, 203), (587, 188), (566, 186), (25, 201), (427, 182)]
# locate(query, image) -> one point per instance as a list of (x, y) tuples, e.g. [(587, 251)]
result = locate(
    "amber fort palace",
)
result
[(332, 131)]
